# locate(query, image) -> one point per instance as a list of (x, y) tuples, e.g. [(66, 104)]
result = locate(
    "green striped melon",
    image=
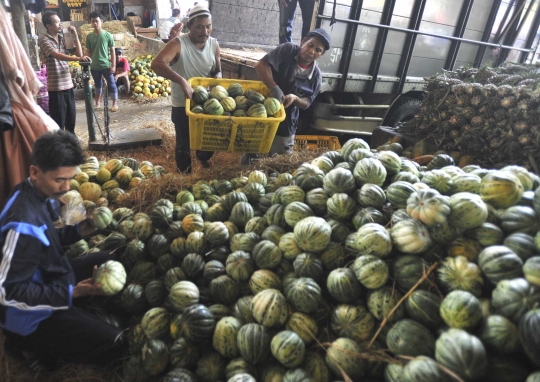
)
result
[(257, 111), (343, 285), (312, 234), (424, 307), (225, 337), (371, 271), (296, 211), (213, 107), (498, 262), (272, 106), (183, 294), (200, 95), (410, 338), (288, 348), (254, 343), (462, 353), (228, 104), (501, 189), (303, 325), (369, 170), (354, 322), (461, 310), (269, 308), (373, 239), (264, 279), (339, 180), (304, 295), (341, 358), (155, 323)]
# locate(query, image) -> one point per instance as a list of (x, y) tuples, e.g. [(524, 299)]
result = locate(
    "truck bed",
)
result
[(239, 63), (246, 56)]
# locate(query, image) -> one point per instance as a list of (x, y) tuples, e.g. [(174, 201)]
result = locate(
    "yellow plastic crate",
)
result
[(232, 134), (313, 142)]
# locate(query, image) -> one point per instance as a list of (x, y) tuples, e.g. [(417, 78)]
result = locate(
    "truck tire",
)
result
[(403, 110)]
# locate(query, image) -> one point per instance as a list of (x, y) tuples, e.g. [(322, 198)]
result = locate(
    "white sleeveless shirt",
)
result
[(193, 62)]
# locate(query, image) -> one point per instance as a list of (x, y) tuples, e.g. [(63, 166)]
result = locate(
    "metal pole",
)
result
[(532, 36), (89, 102), (348, 45), (378, 53), (459, 32), (487, 32), (426, 34)]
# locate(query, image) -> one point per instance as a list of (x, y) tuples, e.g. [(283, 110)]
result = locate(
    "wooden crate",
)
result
[(76, 17), (136, 20), (147, 32)]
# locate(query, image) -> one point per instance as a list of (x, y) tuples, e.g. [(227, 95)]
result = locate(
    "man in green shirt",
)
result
[(100, 47)]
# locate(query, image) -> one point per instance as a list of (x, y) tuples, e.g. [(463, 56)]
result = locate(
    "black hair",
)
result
[(46, 19), (57, 149), (175, 12), (95, 15), (131, 14)]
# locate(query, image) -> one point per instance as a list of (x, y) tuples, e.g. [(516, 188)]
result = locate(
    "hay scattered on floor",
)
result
[(142, 198)]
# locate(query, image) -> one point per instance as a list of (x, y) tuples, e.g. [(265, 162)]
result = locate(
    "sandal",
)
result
[(98, 107), (114, 108)]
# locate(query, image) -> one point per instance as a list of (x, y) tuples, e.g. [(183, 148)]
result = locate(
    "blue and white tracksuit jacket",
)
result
[(36, 277)]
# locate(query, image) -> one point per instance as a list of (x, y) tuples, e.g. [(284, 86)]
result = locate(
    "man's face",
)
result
[(96, 22), (55, 26), (200, 29), (54, 183), (311, 50)]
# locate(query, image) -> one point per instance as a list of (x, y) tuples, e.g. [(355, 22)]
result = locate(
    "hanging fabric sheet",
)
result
[(29, 120)]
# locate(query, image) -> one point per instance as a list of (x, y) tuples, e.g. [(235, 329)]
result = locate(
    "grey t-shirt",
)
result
[(193, 62)]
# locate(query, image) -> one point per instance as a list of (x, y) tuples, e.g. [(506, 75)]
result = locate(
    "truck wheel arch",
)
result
[(403, 109)]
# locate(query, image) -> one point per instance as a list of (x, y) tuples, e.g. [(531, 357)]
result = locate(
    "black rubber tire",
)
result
[(403, 109)]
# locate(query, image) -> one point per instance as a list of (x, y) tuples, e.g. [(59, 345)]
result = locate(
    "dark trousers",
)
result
[(62, 109), (286, 18), (75, 335), (182, 152)]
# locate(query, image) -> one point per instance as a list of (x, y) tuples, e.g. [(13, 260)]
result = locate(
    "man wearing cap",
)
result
[(194, 54), (295, 82)]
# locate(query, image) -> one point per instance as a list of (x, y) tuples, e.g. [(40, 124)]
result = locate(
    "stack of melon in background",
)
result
[(360, 265), (233, 101)]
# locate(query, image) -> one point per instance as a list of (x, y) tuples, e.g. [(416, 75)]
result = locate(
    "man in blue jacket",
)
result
[(37, 281)]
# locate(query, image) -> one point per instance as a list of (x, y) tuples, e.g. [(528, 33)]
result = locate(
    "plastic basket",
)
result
[(313, 142), (232, 134)]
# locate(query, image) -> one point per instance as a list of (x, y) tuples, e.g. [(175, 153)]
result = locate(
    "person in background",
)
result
[(287, 9), (167, 25), (100, 47), (39, 284), (59, 83), (293, 77), (198, 56), (122, 69)]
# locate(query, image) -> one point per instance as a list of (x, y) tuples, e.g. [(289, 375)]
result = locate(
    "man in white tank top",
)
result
[(194, 54)]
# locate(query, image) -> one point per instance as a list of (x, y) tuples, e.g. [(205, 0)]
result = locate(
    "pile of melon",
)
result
[(101, 182), (233, 101), (360, 266)]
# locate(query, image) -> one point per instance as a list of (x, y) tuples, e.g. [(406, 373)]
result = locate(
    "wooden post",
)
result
[(19, 25)]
